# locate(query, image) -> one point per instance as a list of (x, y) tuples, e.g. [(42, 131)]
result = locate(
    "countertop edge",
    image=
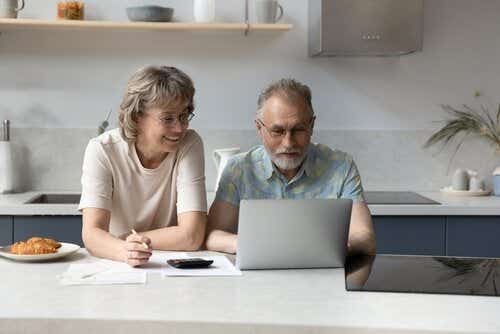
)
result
[(13, 205)]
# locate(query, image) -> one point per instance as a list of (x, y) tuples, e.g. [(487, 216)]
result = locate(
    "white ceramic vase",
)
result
[(204, 11)]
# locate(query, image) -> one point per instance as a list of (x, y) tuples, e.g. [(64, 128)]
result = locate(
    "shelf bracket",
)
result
[(247, 20)]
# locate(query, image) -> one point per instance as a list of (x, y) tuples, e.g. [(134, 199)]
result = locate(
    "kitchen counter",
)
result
[(261, 301), (12, 205)]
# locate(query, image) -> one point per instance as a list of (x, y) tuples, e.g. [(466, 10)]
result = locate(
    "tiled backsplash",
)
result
[(51, 159)]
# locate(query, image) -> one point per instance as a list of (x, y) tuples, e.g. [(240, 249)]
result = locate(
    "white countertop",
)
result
[(13, 204), (262, 301)]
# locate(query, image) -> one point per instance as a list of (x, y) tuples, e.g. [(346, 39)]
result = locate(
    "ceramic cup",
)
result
[(268, 11), (10, 8)]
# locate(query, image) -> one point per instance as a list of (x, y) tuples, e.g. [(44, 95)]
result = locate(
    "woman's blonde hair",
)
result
[(154, 87)]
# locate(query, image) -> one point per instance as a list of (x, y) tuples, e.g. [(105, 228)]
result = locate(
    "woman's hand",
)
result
[(136, 253)]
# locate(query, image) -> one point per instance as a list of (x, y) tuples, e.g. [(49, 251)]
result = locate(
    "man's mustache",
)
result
[(287, 150)]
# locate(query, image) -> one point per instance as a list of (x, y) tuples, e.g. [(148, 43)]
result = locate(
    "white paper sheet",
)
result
[(221, 267), (103, 272)]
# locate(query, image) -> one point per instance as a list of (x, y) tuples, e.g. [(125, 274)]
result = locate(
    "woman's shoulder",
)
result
[(191, 139), (110, 137), (110, 142)]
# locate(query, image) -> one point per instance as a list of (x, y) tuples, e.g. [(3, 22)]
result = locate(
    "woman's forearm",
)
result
[(174, 238), (187, 235), (102, 244)]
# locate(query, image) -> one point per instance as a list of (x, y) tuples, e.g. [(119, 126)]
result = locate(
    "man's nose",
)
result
[(288, 140)]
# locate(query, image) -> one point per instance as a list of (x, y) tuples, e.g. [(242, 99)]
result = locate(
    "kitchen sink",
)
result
[(55, 199)]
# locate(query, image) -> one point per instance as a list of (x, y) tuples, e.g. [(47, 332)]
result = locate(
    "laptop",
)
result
[(286, 234)]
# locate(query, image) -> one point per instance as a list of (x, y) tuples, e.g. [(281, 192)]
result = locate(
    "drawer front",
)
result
[(473, 236), (6, 229), (62, 228), (410, 235)]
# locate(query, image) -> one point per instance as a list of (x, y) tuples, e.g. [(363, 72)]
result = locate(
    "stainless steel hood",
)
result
[(365, 27)]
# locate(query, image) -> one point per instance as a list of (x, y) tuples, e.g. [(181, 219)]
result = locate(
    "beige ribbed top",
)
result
[(114, 179)]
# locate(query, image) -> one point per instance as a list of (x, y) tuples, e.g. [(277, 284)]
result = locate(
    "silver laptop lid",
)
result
[(280, 234)]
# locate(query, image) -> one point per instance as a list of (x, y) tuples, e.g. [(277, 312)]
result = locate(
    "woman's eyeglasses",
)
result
[(169, 120)]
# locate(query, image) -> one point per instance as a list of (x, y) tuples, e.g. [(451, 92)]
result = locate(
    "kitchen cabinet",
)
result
[(62, 228), (473, 236), (6, 228), (410, 235)]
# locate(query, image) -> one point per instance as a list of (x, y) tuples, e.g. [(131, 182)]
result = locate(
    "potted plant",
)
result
[(470, 122)]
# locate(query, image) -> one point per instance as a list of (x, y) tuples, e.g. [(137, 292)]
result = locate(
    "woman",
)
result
[(147, 175)]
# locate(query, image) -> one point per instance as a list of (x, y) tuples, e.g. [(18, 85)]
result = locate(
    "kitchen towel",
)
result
[(7, 176)]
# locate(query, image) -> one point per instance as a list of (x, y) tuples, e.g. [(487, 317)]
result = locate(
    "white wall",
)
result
[(70, 79)]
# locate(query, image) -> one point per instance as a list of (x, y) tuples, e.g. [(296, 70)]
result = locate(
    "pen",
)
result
[(143, 243)]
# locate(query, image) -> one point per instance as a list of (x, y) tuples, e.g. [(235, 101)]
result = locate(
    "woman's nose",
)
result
[(177, 127)]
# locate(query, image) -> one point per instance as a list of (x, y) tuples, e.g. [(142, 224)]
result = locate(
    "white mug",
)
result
[(204, 11), (267, 11), (9, 8)]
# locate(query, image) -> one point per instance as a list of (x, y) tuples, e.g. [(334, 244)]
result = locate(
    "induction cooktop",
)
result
[(396, 197), (423, 274)]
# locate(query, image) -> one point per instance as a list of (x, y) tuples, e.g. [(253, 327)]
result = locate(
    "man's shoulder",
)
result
[(249, 158), (325, 153)]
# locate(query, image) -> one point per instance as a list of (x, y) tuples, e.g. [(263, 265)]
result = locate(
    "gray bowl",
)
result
[(150, 13)]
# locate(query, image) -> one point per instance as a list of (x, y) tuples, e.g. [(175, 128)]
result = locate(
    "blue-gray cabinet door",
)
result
[(62, 228), (5, 230), (473, 236), (410, 235)]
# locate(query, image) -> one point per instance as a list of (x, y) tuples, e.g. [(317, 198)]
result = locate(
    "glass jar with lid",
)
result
[(70, 10)]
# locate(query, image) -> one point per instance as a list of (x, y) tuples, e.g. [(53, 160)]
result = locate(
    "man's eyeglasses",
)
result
[(299, 131), (169, 119)]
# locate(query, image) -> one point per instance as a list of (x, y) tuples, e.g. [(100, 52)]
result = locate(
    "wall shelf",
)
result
[(33, 24)]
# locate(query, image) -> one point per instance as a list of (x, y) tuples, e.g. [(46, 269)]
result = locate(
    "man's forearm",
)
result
[(221, 241), (363, 242)]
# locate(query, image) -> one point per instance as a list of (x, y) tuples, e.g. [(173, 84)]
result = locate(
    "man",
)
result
[(287, 166)]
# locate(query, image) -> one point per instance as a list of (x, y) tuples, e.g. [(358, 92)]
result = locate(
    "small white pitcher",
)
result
[(221, 156), (9, 8)]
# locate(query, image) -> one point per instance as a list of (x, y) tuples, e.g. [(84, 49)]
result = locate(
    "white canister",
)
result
[(7, 176), (204, 11)]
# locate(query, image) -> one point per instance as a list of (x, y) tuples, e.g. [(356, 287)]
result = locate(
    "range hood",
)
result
[(365, 27)]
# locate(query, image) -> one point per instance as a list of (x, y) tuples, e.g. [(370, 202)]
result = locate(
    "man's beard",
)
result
[(285, 163)]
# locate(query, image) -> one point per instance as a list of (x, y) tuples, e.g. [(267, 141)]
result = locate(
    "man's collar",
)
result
[(267, 164)]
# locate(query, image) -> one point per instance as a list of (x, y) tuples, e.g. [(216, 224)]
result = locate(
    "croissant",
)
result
[(35, 245)]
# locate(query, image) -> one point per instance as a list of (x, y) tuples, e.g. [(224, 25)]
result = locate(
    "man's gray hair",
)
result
[(153, 87), (290, 89)]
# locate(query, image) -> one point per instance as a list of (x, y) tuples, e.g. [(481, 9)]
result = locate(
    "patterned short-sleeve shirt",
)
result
[(325, 173)]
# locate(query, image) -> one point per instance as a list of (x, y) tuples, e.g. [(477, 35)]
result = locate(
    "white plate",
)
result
[(450, 191), (65, 250)]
